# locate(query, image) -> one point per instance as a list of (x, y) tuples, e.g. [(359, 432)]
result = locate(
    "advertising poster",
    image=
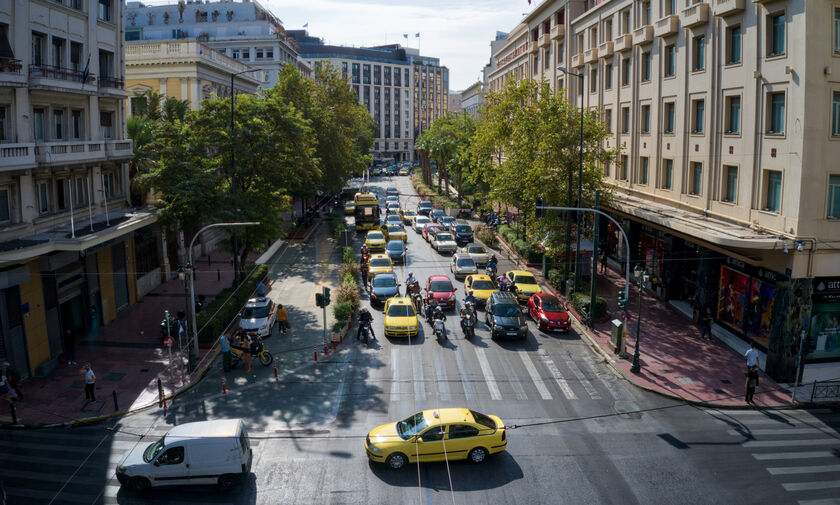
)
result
[(732, 298), (824, 330)]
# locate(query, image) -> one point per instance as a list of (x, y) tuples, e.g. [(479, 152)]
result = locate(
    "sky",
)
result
[(456, 31)]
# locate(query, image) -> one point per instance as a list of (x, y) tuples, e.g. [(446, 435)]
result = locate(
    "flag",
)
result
[(405, 35), (86, 73), (306, 25), (417, 35)]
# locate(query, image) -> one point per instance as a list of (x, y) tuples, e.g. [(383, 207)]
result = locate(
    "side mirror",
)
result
[(157, 463)]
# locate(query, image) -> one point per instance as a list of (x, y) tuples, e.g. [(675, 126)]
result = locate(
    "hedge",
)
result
[(210, 323), (581, 300), (348, 255), (486, 235), (349, 292), (342, 312)]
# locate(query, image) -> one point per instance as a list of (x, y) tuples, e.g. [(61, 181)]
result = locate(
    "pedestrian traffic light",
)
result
[(319, 300), (622, 300), (326, 296), (539, 203)]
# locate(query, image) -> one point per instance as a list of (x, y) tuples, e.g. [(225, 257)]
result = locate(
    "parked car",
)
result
[(424, 208), (396, 250), (463, 232), (444, 242), (549, 312), (462, 265), (383, 287), (440, 289), (479, 254), (504, 317), (258, 316)]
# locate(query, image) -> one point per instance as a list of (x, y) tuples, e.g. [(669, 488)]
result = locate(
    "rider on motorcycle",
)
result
[(363, 269), (503, 283), (410, 279), (467, 310), (470, 300), (365, 319)]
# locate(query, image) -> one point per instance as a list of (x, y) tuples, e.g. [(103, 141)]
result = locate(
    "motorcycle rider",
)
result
[(365, 319), (363, 269), (410, 279), (470, 300), (467, 310), (503, 283), (491, 266), (438, 317)]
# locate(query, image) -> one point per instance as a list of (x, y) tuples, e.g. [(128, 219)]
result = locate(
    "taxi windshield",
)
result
[(400, 311), (376, 236), (380, 262), (525, 279), (482, 285), (411, 426)]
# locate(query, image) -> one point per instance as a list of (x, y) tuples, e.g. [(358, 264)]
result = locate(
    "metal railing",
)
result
[(60, 73), (111, 82), (10, 65), (826, 390)]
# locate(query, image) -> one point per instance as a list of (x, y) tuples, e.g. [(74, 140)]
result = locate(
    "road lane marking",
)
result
[(442, 384), (827, 501), (539, 383), (419, 383), (811, 486), (558, 377), (469, 389), (590, 389), (790, 443), (518, 390), (395, 377), (792, 470), (778, 431), (488, 375), (794, 455)]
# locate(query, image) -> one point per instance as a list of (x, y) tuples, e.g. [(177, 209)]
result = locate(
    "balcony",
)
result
[(590, 55), (728, 7), (10, 72), (76, 151), (605, 50), (532, 47), (60, 74), (623, 43), (16, 156), (577, 60), (667, 26), (119, 149), (185, 52), (695, 15), (111, 82), (558, 32), (544, 40), (643, 35)]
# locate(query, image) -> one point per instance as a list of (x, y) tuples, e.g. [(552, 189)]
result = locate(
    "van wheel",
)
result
[(139, 484), (477, 455), (396, 461), (227, 481)]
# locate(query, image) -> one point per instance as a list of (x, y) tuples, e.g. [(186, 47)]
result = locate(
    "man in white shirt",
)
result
[(90, 383), (752, 356)]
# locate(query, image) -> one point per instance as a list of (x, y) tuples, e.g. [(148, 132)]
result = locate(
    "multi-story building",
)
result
[(243, 30), (69, 243), (472, 98), (454, 102), (727, 116), (403, 91)]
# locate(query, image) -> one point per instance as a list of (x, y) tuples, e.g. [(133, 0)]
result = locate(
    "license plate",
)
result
[(512, 333)]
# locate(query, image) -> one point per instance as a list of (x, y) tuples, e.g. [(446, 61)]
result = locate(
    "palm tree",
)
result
[(141, 130)]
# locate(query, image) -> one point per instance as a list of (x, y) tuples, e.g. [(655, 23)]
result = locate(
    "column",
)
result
[(93, 129), (23, 115), (162, 86), (195, 93), (28, 200), (185, 95)]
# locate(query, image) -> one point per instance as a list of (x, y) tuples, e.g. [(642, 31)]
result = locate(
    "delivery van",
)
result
[(206, 452)]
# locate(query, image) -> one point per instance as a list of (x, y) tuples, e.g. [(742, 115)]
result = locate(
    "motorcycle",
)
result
[(491, 270), (366, 331), (468, 324), (257, 350), (440, 329)]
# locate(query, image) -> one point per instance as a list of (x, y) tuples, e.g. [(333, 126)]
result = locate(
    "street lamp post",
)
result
[(580, 182), (642, 277), (191, 306)]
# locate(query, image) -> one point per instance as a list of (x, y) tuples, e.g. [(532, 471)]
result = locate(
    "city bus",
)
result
[(367, 211)]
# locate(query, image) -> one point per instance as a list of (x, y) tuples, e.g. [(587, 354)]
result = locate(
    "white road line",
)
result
[(463, 371), (442, 384), (762, 413), (590, 389), (794, 455), (779, 431), (558, 377), (810, 486), (538, 381), (827, 501), (395, 377), (792, 470), (518, 390), (791, 443), (488, 374), (419, 383)]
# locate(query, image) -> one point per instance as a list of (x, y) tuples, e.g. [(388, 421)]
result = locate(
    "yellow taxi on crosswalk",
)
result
[(400, 318)]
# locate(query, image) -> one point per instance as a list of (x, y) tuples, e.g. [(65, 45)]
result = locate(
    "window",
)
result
[(625, 21), (646, 66), (593, 80), (38, 49), (645, 118), (608, 71), (625, 72), (833, 197), (696, 181), (76, 124), (700, 53), (462, 431), (58, 121), (58, 52), (3, 126), (623, 167), (777, 34), (81, 191), (670, 7), (733, 114), (608, 119), (547, 57), (670, 60), (5, 205), (625, 120), (608, 30), (646, 12), (667, 174), (105, 124), (730, 191), (559, 51), (61, 194), (777, 113), (773, 201), (699, 109), (38, 123), (733, 39), (433, 434), (43, 198), (607, 169), (133, 34), (670, 117), (836, 30), (76, 57), (110, 182), (105, 10), (643, 170), (173, 456)]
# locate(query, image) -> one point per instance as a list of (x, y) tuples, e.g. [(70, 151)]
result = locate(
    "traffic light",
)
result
[(539, 203), (326, 296), (622, 300), (319, 300)]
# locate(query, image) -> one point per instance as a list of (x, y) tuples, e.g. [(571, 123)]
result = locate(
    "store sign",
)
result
[(826, 289)]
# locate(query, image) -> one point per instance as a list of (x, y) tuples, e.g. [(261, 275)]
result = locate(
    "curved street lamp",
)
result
[(580, 186)]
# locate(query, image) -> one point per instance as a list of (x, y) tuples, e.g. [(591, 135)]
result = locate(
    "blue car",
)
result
[(384, 286)]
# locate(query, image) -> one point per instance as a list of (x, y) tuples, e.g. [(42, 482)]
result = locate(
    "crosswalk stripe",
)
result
[(518, 390), (442, 383), (558, 377), (532, 371), (777, 431), (395, 376), (590, 389), (419, 383), (791, 443), (811, 486), (756, 412), (466, 382), (488, 375), (791, 470), (794, 455)]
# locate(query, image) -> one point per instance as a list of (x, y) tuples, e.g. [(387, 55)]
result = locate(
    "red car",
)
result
[(549, 312), (427, 228), (440, 289)]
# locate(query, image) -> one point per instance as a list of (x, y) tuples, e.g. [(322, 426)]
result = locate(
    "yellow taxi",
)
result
[(526, 284), (349, 207), (404, 171), (375, 240), (481, 286), (380, 263), (400, 317), (408, 216), (395, 232), (437, 435)]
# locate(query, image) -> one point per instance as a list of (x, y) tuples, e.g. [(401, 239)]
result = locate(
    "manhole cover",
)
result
[(726, 381), (684, 380), (114, 376)]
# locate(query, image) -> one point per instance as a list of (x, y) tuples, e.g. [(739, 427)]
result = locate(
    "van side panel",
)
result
[(213, 457)]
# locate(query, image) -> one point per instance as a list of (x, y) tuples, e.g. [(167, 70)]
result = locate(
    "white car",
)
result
[(478, 253), (462, 265), (420, 222), (258, 316), (444, 242)]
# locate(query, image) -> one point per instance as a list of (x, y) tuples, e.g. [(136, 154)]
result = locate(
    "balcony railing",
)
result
[(10, 65), (643, 35), (623, 43), (13, 156), (545, 40), (58, 152), (558, 31), (590, 55), (111, 82), (728, 7), (667, 26), (695, 15), (605, 50), (62, 74)]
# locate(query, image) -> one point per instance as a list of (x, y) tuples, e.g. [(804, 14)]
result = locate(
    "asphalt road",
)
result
[(584, 436)]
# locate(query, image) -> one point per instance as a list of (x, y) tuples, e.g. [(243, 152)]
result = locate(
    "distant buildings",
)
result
[(454, 103), (472, 98)]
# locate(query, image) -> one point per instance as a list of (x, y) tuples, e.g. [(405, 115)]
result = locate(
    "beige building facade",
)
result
[(728, 118)]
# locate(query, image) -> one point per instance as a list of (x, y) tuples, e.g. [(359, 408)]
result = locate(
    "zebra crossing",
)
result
[(800, 449)]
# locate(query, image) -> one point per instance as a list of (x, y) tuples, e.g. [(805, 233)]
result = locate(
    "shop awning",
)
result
[(5, 48)]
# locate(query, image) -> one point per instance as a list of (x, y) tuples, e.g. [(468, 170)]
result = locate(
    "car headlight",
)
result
[(523, 327), (375, 449), (542, 316), (121, 469)]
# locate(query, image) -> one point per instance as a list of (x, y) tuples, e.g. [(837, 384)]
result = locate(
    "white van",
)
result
[(206, 452)]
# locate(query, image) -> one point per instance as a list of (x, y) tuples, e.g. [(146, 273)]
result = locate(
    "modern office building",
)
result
[(70, 243), (403, 90), (244, 30), (727, 116)]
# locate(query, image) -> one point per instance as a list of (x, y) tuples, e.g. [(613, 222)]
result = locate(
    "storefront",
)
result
[(824, 327), (745, 300)]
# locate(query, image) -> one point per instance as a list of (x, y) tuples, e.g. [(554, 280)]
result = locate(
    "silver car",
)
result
[(444, 242), (420, 222), (462, 265), (478, 253)]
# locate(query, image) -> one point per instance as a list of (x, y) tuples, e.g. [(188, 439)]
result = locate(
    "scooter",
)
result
[(257, 351), (491, 270), (440, 329), (366, 331), (468, 325)]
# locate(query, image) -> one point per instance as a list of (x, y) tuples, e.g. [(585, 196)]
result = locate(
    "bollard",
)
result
[(316, 352), (14, 413), (326, 349), (161, 397), (275, 370), (218, 274), (116, 405), (224, 385), (334, 344)]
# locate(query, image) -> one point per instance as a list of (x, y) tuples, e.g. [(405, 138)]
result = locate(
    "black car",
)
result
[(463, 233), (395, 249), (437, 215), (424, 207), (504, 317), (384, 286)]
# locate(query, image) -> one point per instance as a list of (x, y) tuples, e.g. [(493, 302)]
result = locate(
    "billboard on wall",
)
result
[(824, 330)]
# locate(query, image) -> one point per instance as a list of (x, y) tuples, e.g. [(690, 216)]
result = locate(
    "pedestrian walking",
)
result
[(282, 318), (706, 324), (751, 383), (752, 356), (245, 344), (13, 379), (5, 390), (70, 346), (224, 343), (603, 262), (90, 383)]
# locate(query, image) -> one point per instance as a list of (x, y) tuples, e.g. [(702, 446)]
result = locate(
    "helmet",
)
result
[(469, 304), (469, 293), (364, 309), (411, 274)]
